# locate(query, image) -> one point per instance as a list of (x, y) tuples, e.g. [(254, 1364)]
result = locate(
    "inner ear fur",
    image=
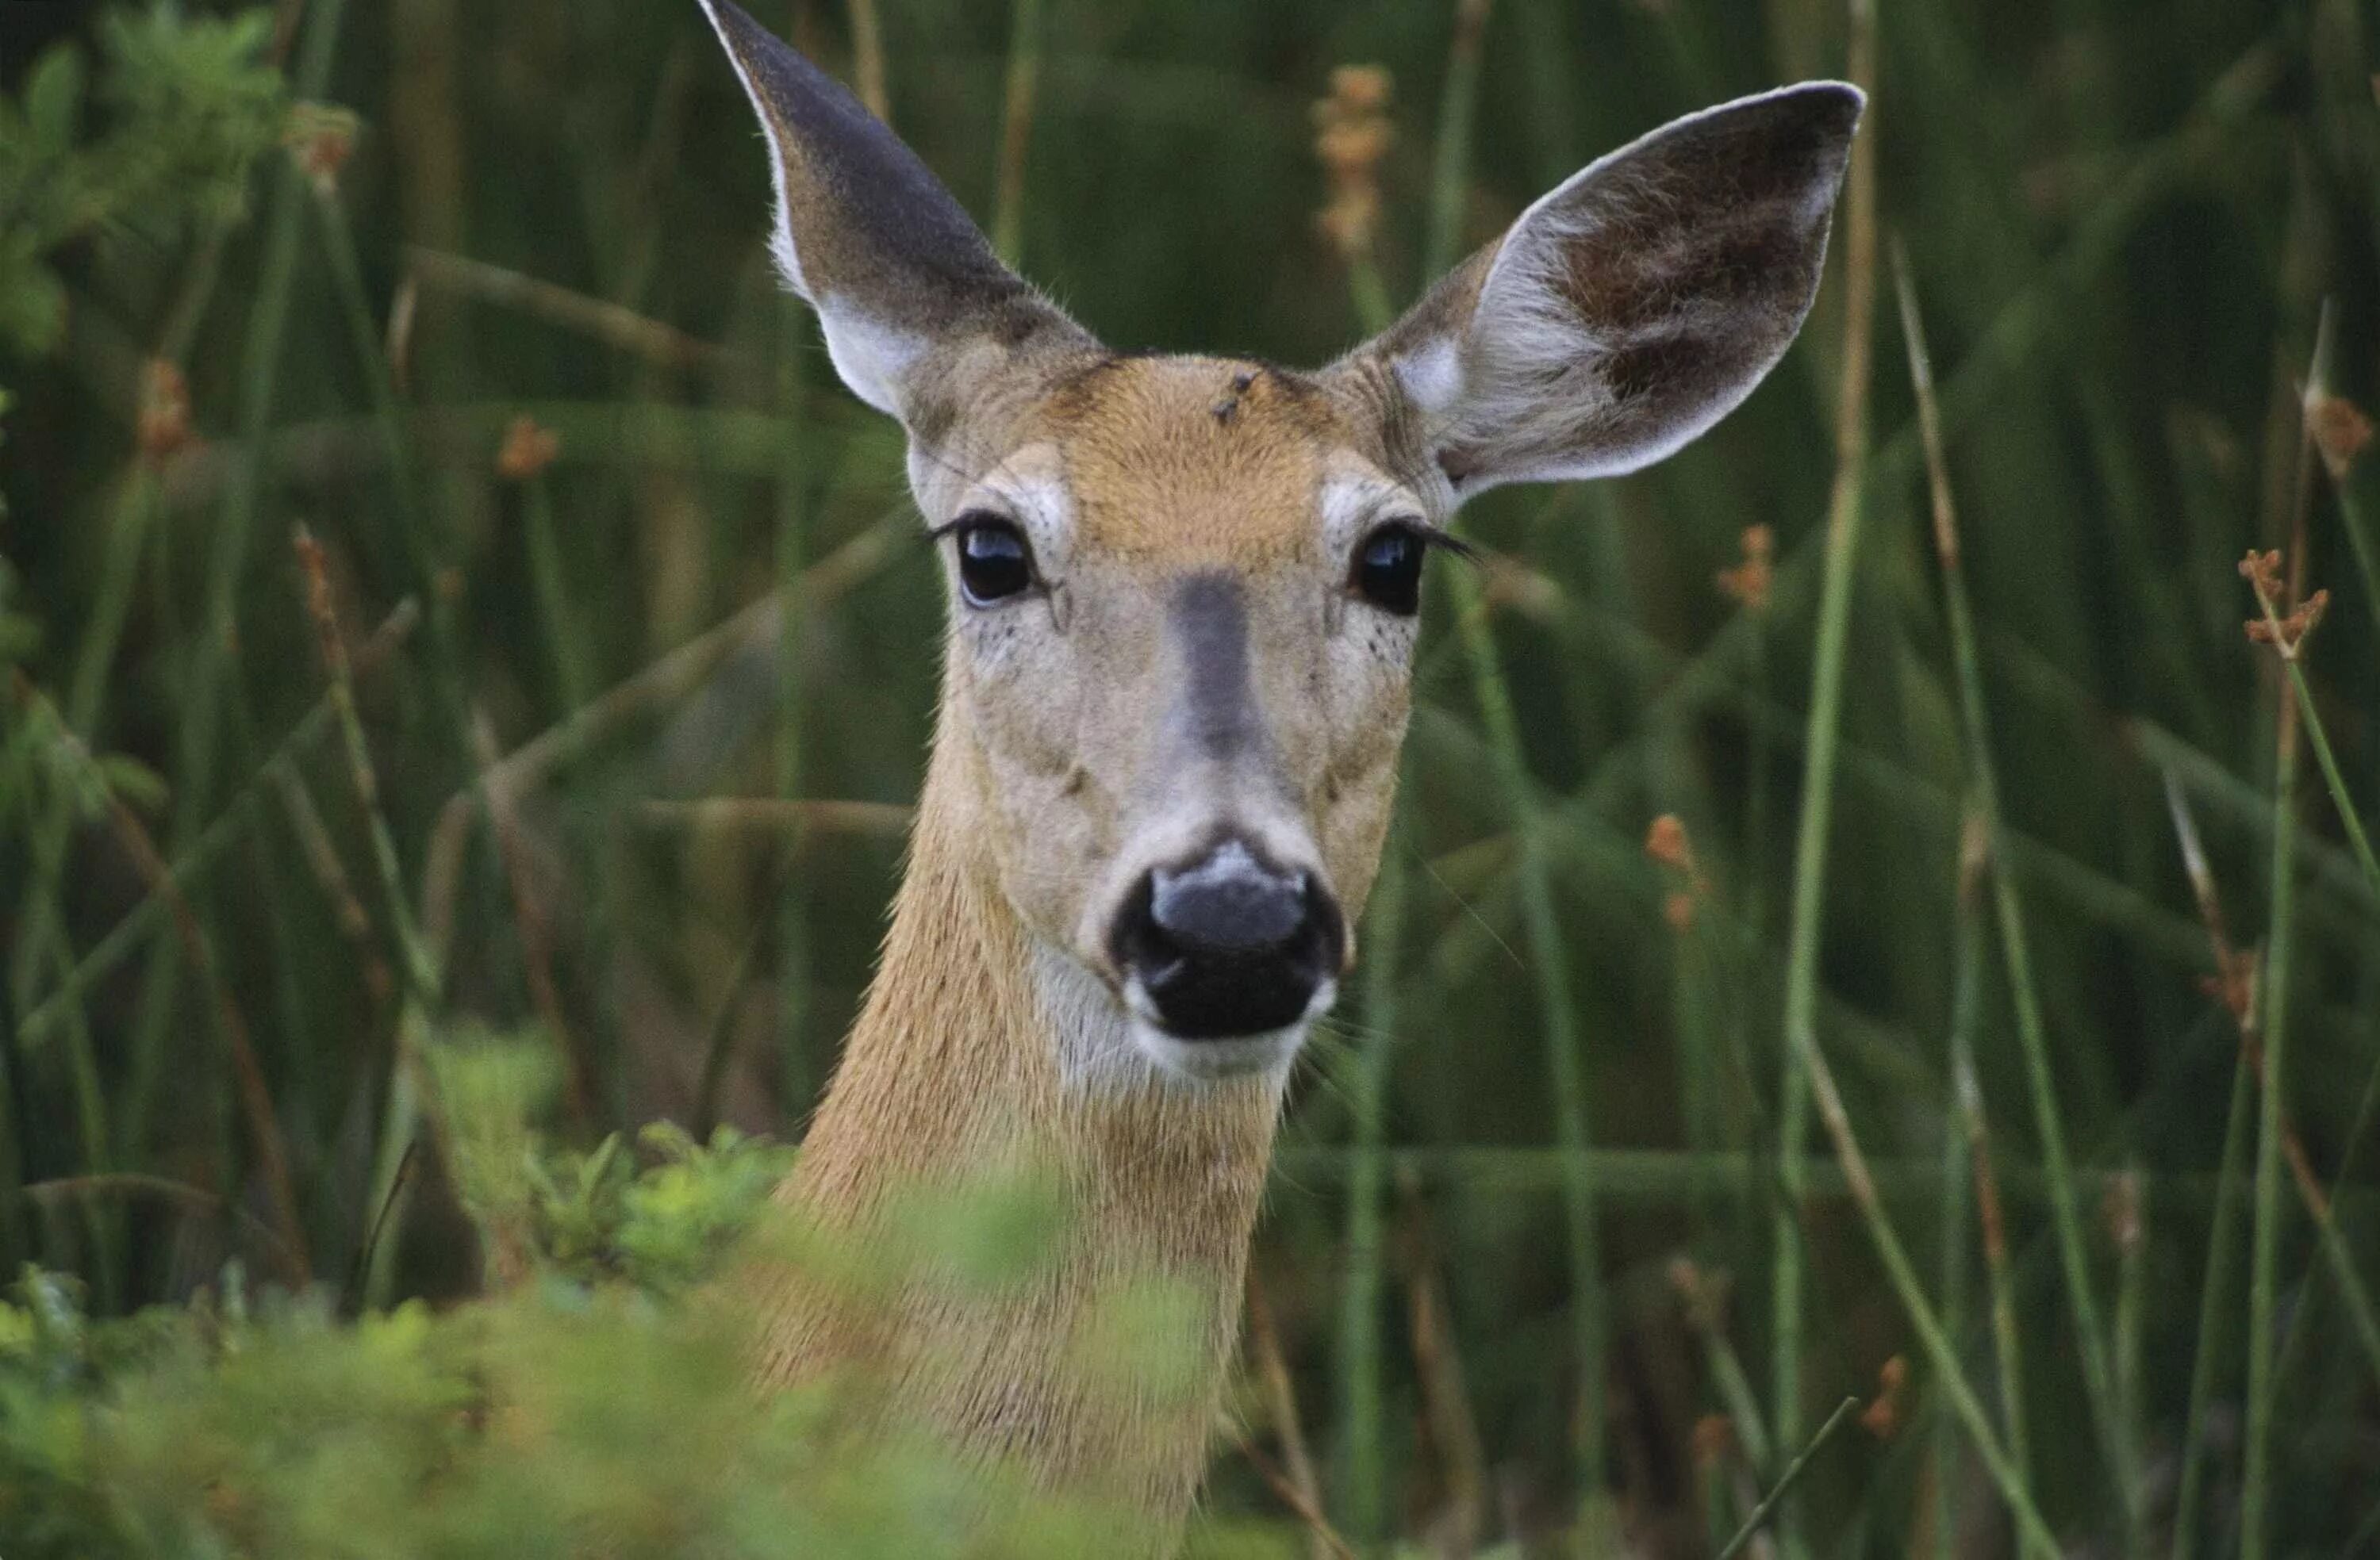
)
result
[(1636, 304)]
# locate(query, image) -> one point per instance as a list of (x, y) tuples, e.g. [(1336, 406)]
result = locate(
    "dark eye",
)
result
[(1388, 569), (994, 561)]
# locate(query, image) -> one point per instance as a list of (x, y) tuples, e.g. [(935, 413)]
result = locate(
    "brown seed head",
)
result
[(1666, 843), (1714, 1442), (2339, 430), (1749, 583), (163, 423), (1882, 1416), (1352, 135), (322, 137), (528, 449)]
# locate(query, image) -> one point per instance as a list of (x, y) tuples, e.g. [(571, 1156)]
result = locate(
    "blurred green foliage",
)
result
[(186, 103), (691, 598)]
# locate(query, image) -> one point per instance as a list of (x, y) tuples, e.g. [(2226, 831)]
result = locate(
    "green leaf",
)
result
[(54, 96), (133, 783), (32, 306)]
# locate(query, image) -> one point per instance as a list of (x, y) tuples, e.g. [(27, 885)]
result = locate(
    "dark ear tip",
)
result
[(1834, 106)]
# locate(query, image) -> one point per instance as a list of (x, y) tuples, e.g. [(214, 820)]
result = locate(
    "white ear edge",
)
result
[(781, 232), (873, 359)]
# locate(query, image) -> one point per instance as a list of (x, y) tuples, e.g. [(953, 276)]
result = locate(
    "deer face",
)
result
[(1182, 590)]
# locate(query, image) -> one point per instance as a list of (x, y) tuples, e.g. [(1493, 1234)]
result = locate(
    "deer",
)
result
[(1182, 599)]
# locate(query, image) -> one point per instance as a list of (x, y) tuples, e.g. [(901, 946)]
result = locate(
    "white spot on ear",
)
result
[(1433, 376), (874, 359)]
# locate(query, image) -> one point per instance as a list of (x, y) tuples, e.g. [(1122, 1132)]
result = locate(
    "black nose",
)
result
[(1227, 945)]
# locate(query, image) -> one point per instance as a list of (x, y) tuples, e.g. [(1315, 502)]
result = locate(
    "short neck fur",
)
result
[(954, 1072)]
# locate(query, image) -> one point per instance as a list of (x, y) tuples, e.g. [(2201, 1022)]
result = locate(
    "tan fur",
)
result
[(951, 1069)]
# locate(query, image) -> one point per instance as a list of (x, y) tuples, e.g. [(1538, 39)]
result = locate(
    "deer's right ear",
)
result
[(913, 305), (1636, 304)]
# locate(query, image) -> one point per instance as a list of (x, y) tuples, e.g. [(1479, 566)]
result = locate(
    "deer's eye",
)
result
[(994, 560), (1387, 571)]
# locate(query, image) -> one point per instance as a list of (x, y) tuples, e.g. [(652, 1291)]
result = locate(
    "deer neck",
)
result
[(979, 1050)]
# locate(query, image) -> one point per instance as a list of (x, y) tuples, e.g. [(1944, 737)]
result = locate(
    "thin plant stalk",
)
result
[(1016, 129), (2031, 1029), (1792, 1476), (201, 856), (2255, 1492), (2033, 1532), (574, 674), (2008, 1342), (1362, 1358), (1951, 1214), (414, 542), (797, 1077), (1458, 109), (2212, 1305), (1845, 510), (1557, 1001), (2288, 643), (1558, 1010), (867, 58), (2273, 995)]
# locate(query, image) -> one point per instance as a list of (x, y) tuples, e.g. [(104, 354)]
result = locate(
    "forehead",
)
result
[(1198, 455)]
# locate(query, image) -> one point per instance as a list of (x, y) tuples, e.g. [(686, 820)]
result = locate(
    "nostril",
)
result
[(1229, 902)]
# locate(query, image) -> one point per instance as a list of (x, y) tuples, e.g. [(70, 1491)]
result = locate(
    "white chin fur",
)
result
[(1206, 1061), (1209, 1062)]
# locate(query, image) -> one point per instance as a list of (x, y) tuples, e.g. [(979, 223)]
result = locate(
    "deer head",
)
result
[(1183, 589)]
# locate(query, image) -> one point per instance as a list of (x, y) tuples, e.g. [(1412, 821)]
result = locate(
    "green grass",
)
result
[(1942, 988)]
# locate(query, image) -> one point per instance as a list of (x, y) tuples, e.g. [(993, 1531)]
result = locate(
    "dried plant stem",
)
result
[(578, 1091), (1437, 1366), (867, 58), (610, 323), (773, 814), (418, 969), (1845, 510), (200, 855), (666, 679), (1318, 1526), (2091, 1341), (1016, 129), (1280, 1404), (2008, 1346), (248, 1072)]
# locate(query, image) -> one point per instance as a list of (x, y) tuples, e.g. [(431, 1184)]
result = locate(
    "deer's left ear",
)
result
[(1634, 306), (916, 310)]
